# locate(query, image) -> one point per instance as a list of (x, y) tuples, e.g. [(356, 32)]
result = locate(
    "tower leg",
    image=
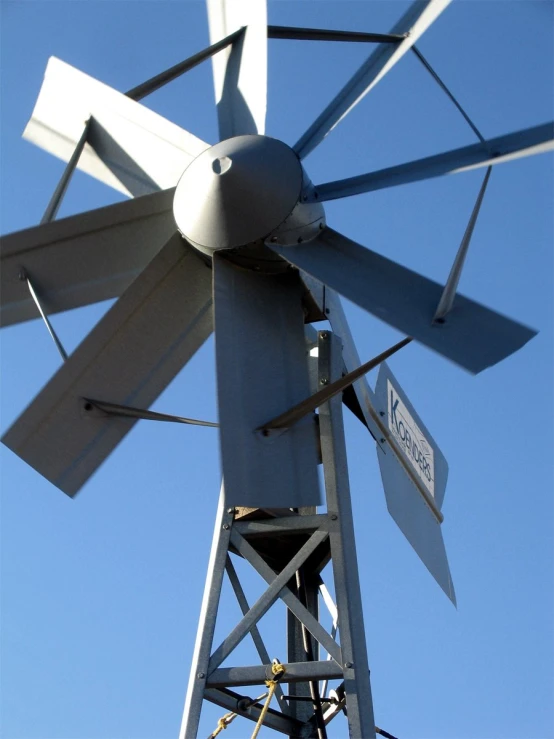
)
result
[(343, 548), (206, 623)]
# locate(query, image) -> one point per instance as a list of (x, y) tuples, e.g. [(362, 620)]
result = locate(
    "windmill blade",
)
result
[(262, 370), (130, 148), (528, 141), (82, 259), (240, 71), (472, 335), (129, 358), (414, 23)]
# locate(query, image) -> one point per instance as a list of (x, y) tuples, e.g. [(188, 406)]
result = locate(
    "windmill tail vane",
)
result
[(232, 238)]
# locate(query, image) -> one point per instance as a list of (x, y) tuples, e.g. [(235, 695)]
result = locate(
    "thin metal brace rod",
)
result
[(126, 411), (445, 89), (294, 414), (56, 199), (449, 293), (322, 34), (23, 276), (154, 83)]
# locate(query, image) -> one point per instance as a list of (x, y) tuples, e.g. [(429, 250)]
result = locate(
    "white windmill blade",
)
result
[(472, 335), (82, 259), (240, 70), (523, 143), (129, 358), (419, 16), (262, 371), (129, 147)]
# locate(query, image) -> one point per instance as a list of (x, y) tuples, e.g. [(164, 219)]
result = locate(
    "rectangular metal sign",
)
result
[(410, 438)]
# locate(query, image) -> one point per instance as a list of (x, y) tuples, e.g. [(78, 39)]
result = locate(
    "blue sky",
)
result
[(100, 595)]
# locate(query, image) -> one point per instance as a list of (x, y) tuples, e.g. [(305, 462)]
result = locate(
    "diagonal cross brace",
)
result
[(255, 634), (288, 597), (267, 599)]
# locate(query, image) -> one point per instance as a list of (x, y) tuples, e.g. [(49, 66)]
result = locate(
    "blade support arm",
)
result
[(294, 33), (159, 80), (294, 414), (447, 92), (447, 298), (59, 193), (126, 411), (53, 335)]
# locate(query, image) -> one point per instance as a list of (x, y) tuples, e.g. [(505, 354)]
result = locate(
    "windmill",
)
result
[(222, 160)]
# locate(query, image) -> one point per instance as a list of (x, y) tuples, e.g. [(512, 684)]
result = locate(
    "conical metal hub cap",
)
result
[(237, 192)]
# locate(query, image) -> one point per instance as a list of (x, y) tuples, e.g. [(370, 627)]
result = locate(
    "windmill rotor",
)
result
[(246, 202), (233, 238)]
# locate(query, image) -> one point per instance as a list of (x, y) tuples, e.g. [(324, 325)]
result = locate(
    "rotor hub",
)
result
[(237, 192)]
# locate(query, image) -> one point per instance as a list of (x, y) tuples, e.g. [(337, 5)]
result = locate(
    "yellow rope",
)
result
[(278, 670), (223, 723)]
